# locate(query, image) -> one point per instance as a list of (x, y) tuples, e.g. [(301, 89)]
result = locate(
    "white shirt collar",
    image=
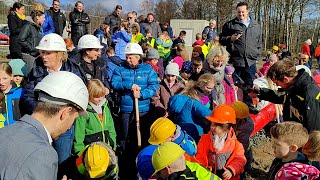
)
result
[(49, 136), (56, 71)]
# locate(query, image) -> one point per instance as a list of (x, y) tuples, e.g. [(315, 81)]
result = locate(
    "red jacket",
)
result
[(233, 151), (306, 50), (317, 51), (317, 79)]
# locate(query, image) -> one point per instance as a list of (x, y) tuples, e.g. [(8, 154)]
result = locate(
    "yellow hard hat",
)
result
[(275, 48), (161, 130), (241, 109), (165, 154), (96, 160)]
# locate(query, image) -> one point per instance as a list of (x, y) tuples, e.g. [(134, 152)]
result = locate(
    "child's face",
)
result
[(97, 100), (185, 75), (229, 75), (17, 79), (171, 78), (216, 129), (5, 81), (280, 148), (183, 37), (207, 88), (148, 34), (195, 54), (307, 150), (196, 69), (154, 61)]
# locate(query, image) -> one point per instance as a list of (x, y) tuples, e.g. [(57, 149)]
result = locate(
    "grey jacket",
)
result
[(155, 27), (245, 51), (26, 152)]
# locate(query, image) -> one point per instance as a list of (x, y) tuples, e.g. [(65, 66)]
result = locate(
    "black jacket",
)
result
[(79, 21), (38, 72), (301, 101), (59, 20), (15, 25), (29, 37), (113, 21), (245, 51)]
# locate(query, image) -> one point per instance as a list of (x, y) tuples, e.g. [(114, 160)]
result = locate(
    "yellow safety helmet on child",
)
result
[(96, 160), (161, 130), (241, 109)]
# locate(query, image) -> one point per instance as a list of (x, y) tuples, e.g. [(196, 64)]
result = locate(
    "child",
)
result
[(11, 109), (197, 68), (19, 70), (312, 148), (229, 93), (199, 41), (185, 72), (220, 150), (169, 86), (287, 138), (152, 58), (136, 35), (164, 44), (197, 52), (112, 62), (180, 39), (148, 38), (243, 128), (263, 71), (178, 60), (164, 130), (98, 126)]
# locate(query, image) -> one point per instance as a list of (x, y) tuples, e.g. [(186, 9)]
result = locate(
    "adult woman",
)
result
[(121, 38), (30, 36), (16, 20)]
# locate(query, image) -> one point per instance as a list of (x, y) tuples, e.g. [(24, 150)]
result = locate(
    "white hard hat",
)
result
[(261, 82), (89, 41), (133, 48), (306, 69), (64, 88), (52, 42)]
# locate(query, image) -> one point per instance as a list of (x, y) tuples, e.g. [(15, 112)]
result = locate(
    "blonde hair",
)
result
[(135, 26), (37, 7), (165, 35), (292, 133), (198, 36), (191, 88), (314, 146), (216, 52), (62, 55), (96, 89)]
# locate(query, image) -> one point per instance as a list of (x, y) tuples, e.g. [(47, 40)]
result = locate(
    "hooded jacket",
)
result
[(189, 114), (122, 38), (29, 37), (79, 21), (301, 101), (144, 76), (231, 156), (91, 129), (245, 51), (112, 63)]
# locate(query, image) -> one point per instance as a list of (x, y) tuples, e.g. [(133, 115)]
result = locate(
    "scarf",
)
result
[(155, 67), (219, 141), (21, 16)]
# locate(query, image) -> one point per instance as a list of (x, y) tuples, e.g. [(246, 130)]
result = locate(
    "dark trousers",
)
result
[(247, 74)]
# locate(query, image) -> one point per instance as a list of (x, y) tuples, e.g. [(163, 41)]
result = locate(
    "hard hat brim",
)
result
[(50, 49)]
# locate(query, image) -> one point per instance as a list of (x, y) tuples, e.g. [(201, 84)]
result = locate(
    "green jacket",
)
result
[(89, 129)]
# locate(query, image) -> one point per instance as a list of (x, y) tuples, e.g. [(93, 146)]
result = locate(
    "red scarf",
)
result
[(155, 67)]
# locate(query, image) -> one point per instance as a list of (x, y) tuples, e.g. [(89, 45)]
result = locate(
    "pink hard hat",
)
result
[(297, 171)]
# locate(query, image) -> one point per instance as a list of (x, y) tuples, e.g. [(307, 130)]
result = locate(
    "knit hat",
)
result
[(198, 49), (19, 67), (296, 171), (186, 67), (172, 69), (179, 61), (229, 70), (152, 54), (147, 30), (185, 55), (144, 163)]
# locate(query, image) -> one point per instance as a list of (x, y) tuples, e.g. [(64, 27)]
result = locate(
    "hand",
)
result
[(235, 37), (234, 87), (166, 115), (64, 177), (135, 88), (254, 92), (107, 91), (122, 28), (136, 94), (227, 174)]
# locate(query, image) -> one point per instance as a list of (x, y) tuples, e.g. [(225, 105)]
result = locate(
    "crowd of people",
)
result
[(130, 102)]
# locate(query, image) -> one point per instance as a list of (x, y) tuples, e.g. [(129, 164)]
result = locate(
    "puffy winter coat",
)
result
[(79, 21), (11, 110), (37, 73), (144, 76), (112, 63), (189, 113), (91, 129), (122, 38), (185, 141), (306, 50), (48, 24), (231, 156), (29, 37)]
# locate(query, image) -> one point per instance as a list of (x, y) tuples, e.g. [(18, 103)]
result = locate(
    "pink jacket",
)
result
[(229, 92), (264, 70)]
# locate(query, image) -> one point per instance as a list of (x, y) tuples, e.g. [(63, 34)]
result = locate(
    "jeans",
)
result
[(63, 145), (247, 74)]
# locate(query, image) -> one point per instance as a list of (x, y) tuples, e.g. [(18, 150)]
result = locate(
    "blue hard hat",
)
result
[(144, 162)]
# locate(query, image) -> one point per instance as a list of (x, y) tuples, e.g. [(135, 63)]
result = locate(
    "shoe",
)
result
[(253, 110)]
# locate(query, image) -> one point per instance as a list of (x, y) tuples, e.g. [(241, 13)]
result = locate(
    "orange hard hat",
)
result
[(223, 114)]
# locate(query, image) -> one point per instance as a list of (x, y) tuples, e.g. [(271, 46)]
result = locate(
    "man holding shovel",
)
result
[(134, 81)]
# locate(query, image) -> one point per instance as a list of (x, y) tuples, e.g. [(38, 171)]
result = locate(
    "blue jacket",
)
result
[(112, 63), (48, 25), (37, 73), (144, 76), (185, 141), (189, 113), (211, 34), (11, 110), (123, 39)]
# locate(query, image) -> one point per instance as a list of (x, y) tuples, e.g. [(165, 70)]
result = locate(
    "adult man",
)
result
[(242, 37), (211, 30), (79, 20), (300, 96), (169, 163), (155, 27), (114, 19), (58, 17), (26, 146)]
